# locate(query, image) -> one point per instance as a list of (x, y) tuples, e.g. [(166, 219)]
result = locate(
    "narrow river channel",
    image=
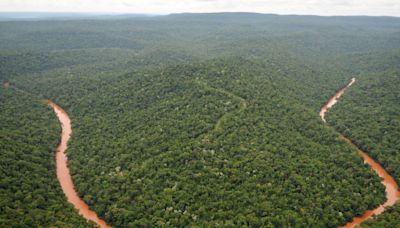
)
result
[(63, 174), (392, 190)]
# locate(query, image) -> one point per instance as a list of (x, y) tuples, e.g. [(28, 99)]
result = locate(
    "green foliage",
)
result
[(160, 159), (206, 120)]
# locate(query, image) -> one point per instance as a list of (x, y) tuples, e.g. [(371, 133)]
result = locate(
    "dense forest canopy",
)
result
[(206, 119)]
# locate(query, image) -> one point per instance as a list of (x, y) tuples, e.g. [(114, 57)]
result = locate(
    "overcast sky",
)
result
[(318, 7)]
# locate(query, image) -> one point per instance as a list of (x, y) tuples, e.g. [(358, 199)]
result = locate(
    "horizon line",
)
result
[(115, 13)]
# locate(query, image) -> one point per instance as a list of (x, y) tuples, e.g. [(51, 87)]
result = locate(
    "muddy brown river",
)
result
[(392, 190), (64, 177), (63, 174)]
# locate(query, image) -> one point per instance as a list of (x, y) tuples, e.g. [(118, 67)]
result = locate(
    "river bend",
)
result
[(392, 190)]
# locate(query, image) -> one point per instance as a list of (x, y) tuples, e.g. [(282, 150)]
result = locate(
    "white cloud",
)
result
[(319, 7)]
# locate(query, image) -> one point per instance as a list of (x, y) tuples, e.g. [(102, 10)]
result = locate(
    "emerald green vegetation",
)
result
[(207, 119), (29, 191)]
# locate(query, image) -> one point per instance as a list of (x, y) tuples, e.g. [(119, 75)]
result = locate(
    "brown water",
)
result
[(392, 189), (63, 174), (334, 100)]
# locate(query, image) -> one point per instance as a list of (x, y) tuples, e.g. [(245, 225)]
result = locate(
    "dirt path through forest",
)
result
[(6, 84), (392, 191), (63, 174), (227, 115)]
